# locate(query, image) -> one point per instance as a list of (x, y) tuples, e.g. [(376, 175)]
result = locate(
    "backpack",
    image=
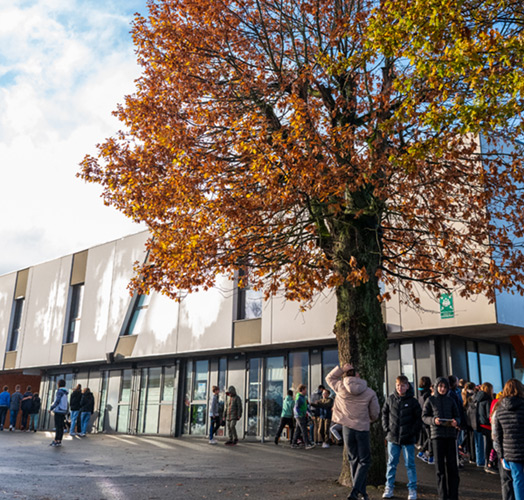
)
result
[(472, 414), (63, 405)]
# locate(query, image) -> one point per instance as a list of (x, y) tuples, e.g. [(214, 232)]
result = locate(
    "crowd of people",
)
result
[(451, 423), (11, 405)]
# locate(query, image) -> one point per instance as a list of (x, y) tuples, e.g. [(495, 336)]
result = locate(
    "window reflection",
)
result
[(298, 371), (407, 361), (490, 368), (329, 361)]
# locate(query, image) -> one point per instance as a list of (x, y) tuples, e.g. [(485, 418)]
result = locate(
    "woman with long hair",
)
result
[(508, 431)]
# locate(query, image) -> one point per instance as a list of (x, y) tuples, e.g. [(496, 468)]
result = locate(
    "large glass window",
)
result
[(298, 370), (103, 401), (75, 309), (195, 401), (518, 369), (407, 361), (274, 385), (490, 369), (15, 326), (254, 397), (124, 401), (329, 361), (473, 363)]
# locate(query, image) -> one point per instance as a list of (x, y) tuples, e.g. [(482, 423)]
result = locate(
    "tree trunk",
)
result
[(360, 329)]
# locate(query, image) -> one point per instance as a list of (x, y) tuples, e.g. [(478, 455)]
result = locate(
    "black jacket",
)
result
[(441, 407), (74, 400), (87, 403), (401, 418), (509, 429), (35, 404), (483, 406)]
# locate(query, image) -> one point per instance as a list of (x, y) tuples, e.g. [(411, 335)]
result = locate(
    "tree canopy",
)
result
[(282, 133)]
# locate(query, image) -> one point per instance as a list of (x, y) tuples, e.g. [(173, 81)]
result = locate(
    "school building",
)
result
[(151, 361)]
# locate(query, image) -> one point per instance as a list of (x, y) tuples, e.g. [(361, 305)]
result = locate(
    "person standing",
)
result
[(87, 407), (286, 417), (5, 402), (355, 407), (401, 421), (300, 413), (60, 407), (326, 412), (315, 414), (484, 399), (233, 414), (426, 451), (26, 405), (14, 408), (214, 415), (35, 411), (442, 415), (509, 433), (74, 407)]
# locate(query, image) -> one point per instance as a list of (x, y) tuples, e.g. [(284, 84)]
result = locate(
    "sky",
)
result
[(64, 66)]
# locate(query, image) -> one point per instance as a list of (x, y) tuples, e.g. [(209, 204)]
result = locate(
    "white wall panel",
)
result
[(206, 318), (159, 329), (106, 295), (7, 288), (291, 325), (42, 329)]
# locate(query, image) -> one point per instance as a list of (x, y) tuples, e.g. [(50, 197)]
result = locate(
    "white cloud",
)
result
[(65, 65)]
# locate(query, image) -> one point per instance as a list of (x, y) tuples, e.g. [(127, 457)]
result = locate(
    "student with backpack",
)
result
[(60, 407), (34, 412)]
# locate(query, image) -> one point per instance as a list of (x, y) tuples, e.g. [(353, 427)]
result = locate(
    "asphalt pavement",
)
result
[(120, 467)]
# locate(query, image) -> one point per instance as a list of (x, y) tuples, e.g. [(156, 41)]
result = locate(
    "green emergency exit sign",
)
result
[(446, 306)]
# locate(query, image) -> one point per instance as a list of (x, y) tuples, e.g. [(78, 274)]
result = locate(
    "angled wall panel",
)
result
[(7, 287)]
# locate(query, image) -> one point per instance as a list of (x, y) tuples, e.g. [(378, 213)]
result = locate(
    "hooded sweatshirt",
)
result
[(60, 405), (442, 407), (234, 405), (355, 405)]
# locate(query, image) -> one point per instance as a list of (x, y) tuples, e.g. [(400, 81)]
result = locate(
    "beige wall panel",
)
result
[(42, 330), (106, 297), (474, 311), (7, 288), (291, 325), (206, 318), (158, 334)]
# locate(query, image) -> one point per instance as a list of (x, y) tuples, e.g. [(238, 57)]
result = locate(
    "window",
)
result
[(249, 304), (490, 368), (329, 361), (136, 319), (298, 370), (407, 361), (15, 326), (473, 363), (75, 308)]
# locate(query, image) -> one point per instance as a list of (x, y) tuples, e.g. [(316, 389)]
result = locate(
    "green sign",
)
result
[(446, 306)]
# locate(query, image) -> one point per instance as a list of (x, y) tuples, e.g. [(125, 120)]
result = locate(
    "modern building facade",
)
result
[(151, 361)]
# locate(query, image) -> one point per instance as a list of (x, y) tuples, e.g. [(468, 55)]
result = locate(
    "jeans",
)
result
[(479, 449), (301, 430), (74, 416), (214, 424), (59, 426), (325, 424), (33, 421), (3, 413), (506, 483), (517, 473), (25, 418), (408, 451), (14, 415), (85, 416), (446, 468), (359, 456)]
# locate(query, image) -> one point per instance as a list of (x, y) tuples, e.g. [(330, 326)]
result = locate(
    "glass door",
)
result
[(195, 399), (254, 395), (274, 393)]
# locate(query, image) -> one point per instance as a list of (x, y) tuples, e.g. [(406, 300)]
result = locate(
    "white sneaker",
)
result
[(212, 441), (310, 446), (388, 492), (325, 445), (412, 495)]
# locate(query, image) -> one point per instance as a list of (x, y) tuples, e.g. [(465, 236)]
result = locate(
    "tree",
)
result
[(325, 145)]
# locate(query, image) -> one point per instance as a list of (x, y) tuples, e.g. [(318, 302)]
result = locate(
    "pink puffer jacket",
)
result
[(356, 405)]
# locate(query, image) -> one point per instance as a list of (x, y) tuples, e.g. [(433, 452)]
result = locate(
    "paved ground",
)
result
[(111, 467)]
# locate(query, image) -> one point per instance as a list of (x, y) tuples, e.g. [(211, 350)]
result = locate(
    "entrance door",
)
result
[(254, 397), (274, 393)]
